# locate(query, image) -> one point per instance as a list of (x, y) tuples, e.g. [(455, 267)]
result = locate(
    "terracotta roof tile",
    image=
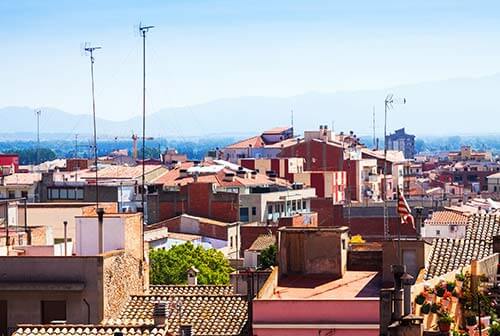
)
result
[(207, 290), (451, 254), (208, 314), (85, 330), (255, 141), (262, 242), (447, 217)]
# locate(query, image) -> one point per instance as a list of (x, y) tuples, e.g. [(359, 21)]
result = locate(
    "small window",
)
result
[(343, 244), (71, 194), (270, 209), (63, 194), (24, 194), (304, 205), (54, 194), (244, 214), (254, 211), (79, 194), (12, 194), (231, 242), (438, 232), (53, 311)]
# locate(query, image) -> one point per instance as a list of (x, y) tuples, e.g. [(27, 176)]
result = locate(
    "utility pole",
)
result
[(38, 113), (143, 30), (90, 50)]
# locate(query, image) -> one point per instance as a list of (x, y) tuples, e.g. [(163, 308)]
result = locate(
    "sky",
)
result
[(201, 51)]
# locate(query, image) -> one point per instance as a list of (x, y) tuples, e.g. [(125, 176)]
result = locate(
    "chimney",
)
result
[(229, 177), (407, 281), (183, 173), (241, 172), (185, 330), (160, 314), (192, 276), (100, 219)]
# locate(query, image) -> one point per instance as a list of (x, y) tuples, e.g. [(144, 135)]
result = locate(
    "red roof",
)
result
[(254, 142), (277, 130)]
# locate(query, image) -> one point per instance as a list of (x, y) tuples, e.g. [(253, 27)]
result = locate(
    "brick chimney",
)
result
[(160, 314)]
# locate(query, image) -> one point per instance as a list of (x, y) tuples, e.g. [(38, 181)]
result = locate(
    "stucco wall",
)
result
[(49, 277)]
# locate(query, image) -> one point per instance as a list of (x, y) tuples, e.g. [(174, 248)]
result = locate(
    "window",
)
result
[(304, 205), (24, 194), (12, 194), (438, 232), (254, 211), (231, 242), (294, 205), (244, 214), (63, 194), (71, 194), (53, 311), (343, 244), (79, 194)]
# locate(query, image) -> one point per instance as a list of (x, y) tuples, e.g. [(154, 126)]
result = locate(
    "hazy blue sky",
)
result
[(204, 50)]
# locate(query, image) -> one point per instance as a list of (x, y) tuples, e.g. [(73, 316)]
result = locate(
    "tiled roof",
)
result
[(207, 290), (276, 130), (173, 178), (224, 315), (451, 254), (120, 172), (262, 242), (84, 330), (447, 217), (255, 142), (22, 178)]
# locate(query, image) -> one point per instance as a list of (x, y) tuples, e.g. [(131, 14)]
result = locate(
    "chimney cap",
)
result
[(160, 309)]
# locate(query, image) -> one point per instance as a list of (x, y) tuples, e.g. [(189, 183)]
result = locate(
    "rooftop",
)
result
[(353, 284), (451, 254), (262, 242), (84, 330), (447, 217)]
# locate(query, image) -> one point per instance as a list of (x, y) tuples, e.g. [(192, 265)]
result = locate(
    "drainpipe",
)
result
[(88, 310), (100, 218), (65, 223)]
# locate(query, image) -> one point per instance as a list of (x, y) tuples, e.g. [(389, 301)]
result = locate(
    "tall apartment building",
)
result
[(401, 141)]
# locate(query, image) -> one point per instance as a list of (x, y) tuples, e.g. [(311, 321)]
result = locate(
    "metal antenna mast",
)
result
[(291, 116), (374, 140), (90, 51), (143, 30), (38, 113), (390, 100)]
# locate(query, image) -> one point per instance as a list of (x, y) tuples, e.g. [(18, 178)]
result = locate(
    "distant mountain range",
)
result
[(454, 107)]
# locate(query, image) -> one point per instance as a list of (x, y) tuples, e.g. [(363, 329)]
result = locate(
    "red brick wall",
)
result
[(318, 155), (198, 199), (351, 167), (329, 214), (318, 182), (374, 226)]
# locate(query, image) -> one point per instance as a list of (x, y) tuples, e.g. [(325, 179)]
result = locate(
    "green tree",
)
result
[(170, 266), (268, 257)]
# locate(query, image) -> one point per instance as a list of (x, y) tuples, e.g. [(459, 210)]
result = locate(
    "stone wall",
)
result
[(122, 277)]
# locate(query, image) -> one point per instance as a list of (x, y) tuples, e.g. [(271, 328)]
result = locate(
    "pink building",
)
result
[(312, 292)]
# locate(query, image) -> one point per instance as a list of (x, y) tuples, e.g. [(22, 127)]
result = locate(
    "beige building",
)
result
[(73, 289), (264, 206), (494, 183)]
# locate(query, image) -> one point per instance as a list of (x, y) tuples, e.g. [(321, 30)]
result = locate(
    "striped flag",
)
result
[(404, 210)]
